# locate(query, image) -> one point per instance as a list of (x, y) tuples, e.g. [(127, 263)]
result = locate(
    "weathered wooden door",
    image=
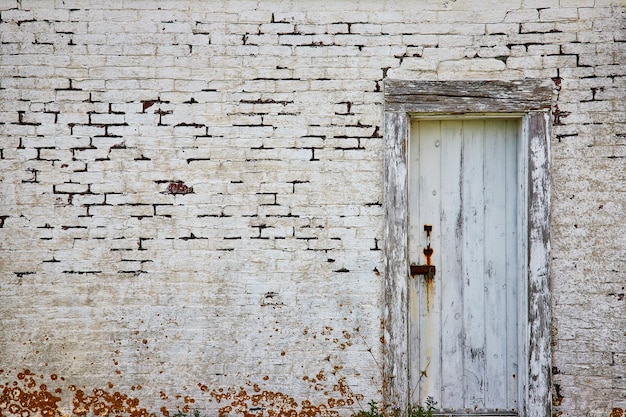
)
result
[(463, 324)]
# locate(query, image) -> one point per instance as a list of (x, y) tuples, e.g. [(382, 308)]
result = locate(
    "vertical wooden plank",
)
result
[(430, 289), (522, 295), (473, 236), (415, 341), (539, 378), (414, 232), (395, 368), (414, 258), (514, 274), (450, 267), (495, 230)]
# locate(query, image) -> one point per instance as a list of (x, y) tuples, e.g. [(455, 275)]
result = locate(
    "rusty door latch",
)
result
[(428, 270)]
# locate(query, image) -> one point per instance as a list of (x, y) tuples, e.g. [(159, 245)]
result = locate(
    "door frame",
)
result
[(532, 100)]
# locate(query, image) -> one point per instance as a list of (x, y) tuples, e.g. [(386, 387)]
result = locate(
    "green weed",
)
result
[(413, 411), (374, 411), (179, 413), (422, 411)]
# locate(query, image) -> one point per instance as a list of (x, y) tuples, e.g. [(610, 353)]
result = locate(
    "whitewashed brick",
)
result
[(544, 49), (496, 52), (276, 28), (537, 27), (594, 37), (455, 41), (558, 14), (366, 28), (16, 15), (7, 4), (502, 28), (556, 61), (521, 16), (420, 40), (559, 38), (538, 73), (601, 11), (534, 4), (479, 65), (436, 54)]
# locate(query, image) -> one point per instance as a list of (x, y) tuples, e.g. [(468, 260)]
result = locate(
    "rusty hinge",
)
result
[(427, 270)]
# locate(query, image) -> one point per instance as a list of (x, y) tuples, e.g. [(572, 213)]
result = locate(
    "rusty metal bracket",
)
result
[(428, 271)]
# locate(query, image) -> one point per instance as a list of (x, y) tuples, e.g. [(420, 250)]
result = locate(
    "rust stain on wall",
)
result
[(277, 404), (430, 293), (428, 254), (103, 403), (557, 397), (179, 187), (28, 396)]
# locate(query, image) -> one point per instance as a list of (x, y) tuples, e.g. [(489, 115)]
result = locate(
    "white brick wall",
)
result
[(191, 195)]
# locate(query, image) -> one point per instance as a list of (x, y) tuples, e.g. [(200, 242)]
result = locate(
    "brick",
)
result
[(595, 59), (366, 28), (420, 40), (576, 3), (7, 4), (534, 4), (502, 28), (544, 50), (559, 38), (455, 41), (15, 15), (556, 61), (594, 37), (522, 15), (479, 65), (558, 14), (537, 27), (594, 12), (70, 188)]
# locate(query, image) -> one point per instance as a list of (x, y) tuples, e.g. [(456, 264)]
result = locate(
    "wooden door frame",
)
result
[(532, 99)]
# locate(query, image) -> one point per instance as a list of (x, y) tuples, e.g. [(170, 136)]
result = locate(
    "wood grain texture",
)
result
[(467, 96), (539, 317), (463, 344), (395, 371)]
